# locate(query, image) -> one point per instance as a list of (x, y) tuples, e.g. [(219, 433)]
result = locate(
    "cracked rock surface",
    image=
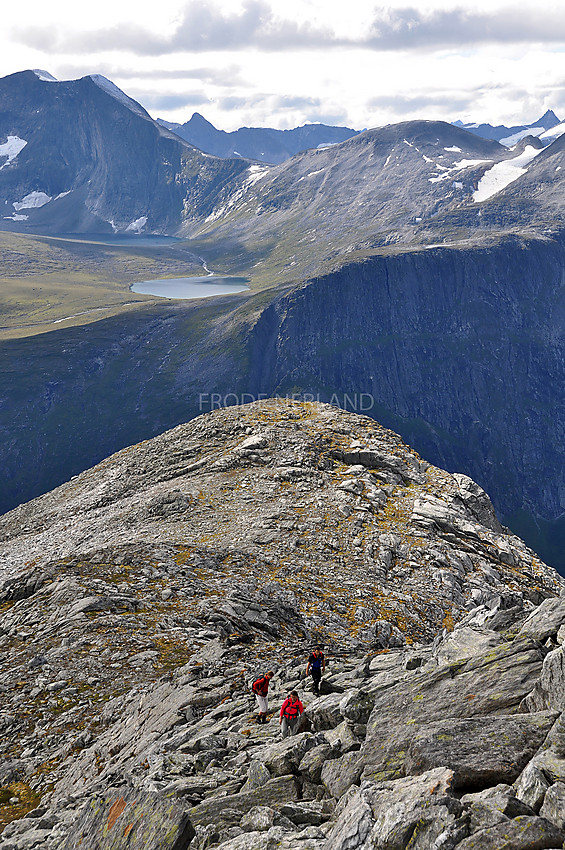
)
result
[(140, 599)]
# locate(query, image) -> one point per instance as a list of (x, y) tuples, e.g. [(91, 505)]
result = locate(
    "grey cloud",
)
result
[(153, 102), (227, 76), (203, 27), (445, 101), (394, 29)]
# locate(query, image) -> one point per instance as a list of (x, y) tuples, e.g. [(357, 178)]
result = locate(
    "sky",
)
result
[(283, 64)]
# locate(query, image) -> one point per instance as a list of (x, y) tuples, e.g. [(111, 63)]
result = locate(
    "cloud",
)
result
[(224, 75), (409, 28), (443, 101), (202, 27), (205, 27), (156, 102)]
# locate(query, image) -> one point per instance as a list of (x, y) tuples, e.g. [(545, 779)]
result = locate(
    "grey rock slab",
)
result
[(546, 620), (324, 713), (283, 757), (549, 690), (339, 774), (387, 814), (493, 683), (466, 642), (531, 786), (521, 833), (553, 808), (230, 809), (258, 774), (501, 797), (479, 751), (314, 760), (356, 705), (133, 820)]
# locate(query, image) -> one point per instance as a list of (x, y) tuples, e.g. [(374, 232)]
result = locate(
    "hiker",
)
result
[(291, 710), (260, 688), (316, 666)]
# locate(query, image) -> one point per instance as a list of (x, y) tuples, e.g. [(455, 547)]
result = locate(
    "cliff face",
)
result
[(461, 351)]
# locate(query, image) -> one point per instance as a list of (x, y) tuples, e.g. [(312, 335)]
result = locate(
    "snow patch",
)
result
[(32, 201), (137, 225), (17, 217), (453, 149), (313, 173), (45, 76), (109, 87), (467, 163), (550, 135), (512, 140), (62, 195), (410, 145), (503, 173), (457, 166), (11, 149), (256, 172)]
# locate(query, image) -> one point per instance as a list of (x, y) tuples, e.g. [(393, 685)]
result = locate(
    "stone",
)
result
[(553, 808), (356, 705), (324, 713), (531, 786), (521, 833), (546, 620), (480, 751), (549, 690), (338, 774), (314, 760), (128, 819), (231, 809)]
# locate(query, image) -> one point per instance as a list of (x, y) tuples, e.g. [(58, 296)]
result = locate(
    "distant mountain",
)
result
[(512, 135), (261, 143), (82, 156)]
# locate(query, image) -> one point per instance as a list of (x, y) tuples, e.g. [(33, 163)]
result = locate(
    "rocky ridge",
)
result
[(141, 597)]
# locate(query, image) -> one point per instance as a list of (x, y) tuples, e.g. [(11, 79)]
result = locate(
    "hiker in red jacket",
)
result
[(260, 688), (291, 710)]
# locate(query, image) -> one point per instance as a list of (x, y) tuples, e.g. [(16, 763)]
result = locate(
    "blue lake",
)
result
[(191, 287)]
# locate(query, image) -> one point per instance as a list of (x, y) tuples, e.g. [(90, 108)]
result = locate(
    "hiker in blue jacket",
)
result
[(316, 666)]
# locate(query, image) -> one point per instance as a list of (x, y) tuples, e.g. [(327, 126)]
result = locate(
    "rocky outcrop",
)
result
[(127, 717)]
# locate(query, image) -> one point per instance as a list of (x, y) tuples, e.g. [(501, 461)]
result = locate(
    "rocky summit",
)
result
[(141, 599)]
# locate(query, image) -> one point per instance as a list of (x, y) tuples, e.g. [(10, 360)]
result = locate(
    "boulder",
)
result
[(356, 705), (337, 775), (390, 814), (479, 751), (280, 789), (324, 713), (553, 808), (521, 833), (127, 818), (490, 683), (546, 620), (549, 690)]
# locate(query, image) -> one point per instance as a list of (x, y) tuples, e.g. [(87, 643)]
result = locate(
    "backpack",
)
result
[(255, 681)]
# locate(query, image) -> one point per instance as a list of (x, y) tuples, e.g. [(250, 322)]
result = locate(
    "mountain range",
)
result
[(259, 143), (418, 263)]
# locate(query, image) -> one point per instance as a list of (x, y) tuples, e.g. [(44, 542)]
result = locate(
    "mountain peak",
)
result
[(548, 120), (45, 76)]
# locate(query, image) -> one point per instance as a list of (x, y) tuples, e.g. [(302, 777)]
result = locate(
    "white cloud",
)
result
[(253, 62)]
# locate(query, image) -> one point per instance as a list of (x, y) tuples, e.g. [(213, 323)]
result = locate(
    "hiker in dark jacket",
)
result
[(291, 710), (260, 688), (316, 666)]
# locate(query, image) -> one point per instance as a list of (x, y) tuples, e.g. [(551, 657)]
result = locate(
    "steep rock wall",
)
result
[(462, 352)]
